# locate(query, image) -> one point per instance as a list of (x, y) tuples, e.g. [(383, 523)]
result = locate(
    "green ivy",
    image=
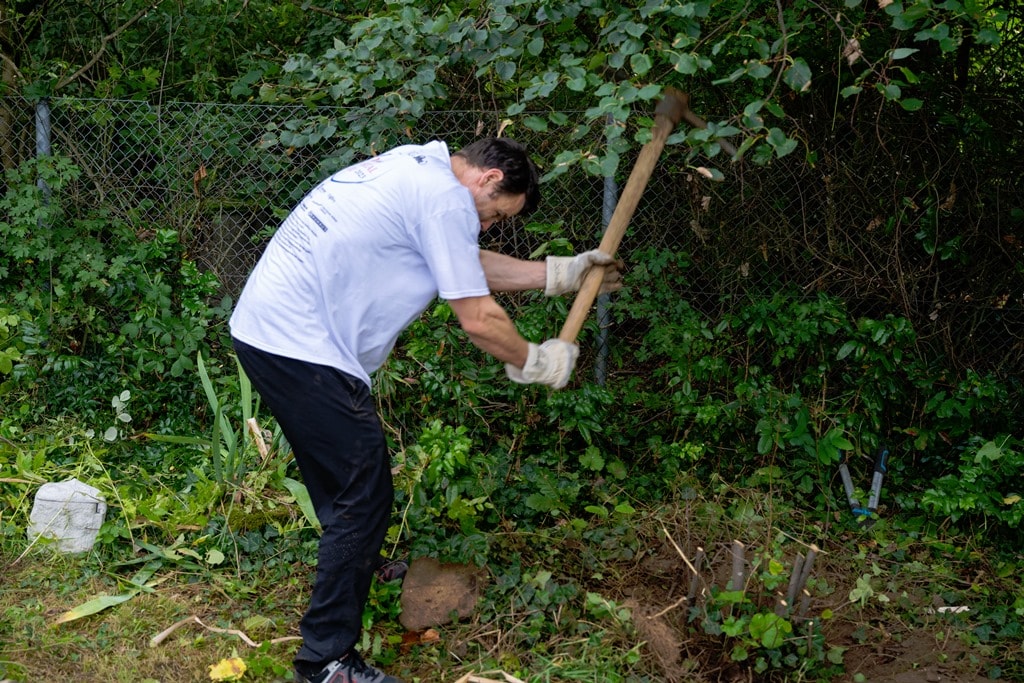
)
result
[(95, 307)]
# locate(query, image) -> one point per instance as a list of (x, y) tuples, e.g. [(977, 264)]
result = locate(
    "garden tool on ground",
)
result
[(866, 514)]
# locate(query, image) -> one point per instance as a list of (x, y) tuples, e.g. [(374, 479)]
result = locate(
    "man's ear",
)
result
[(492, 176)]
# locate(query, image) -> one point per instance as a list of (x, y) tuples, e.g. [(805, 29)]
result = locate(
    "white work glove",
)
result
[(566, 273), (550, 363)]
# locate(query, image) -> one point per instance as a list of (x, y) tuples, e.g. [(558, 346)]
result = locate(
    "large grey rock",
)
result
[(69, 512)]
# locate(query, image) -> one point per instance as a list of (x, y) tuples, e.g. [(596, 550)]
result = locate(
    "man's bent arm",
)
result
[(490, 328), (509, 274)]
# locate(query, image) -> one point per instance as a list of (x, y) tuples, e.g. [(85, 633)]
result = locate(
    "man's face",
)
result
[(492, 205), (498, 206)]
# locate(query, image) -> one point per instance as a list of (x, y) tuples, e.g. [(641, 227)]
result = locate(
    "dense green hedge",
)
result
[(780, 391)]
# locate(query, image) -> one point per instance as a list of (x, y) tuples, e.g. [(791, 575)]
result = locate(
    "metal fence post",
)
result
[(611, 194), (43, 131), (43, 149)]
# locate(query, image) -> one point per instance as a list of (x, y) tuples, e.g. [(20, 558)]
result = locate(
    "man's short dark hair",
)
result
[(510, 157)]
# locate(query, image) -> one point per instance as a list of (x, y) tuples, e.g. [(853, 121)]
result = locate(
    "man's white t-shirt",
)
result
[(360, 258)]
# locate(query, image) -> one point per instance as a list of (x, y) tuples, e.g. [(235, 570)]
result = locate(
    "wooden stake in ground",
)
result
[(739, 559), (786, 604)]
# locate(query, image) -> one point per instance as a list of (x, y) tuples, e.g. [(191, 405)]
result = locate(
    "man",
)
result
[(359, 259)]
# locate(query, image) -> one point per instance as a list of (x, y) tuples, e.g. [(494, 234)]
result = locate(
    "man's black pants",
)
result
[(330, 420)]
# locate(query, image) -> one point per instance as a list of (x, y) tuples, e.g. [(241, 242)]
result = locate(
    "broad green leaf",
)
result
[(617, 469), (635, 29), (732, 627), (911, 104), (301, 496), (625, 509), (758, 70), (798, 76), (609, 164), (891, 91), (94, 606), (846, 350), (839, 441), (505, 70), (640, 63), (439, 25), (181, 440), (540, 502), (592, 459), (684, 63), (863, 590), (989, 451), (649, 91), (903, 52), (535, 123), (909, 75), (731, 597), (780, 143), (987, 36), (770, 629)]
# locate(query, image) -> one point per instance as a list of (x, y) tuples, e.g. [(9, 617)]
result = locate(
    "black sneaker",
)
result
[(349, 669)]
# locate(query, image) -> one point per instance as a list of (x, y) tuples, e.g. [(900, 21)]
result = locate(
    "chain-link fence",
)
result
[(946, 253)]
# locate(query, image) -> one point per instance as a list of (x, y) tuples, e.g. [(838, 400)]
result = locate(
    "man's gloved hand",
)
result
[(550, 363), (566, 273)]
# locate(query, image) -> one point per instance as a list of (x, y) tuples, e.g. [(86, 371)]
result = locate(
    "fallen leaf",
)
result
[(231, 669), (93, 606), (425, 637)]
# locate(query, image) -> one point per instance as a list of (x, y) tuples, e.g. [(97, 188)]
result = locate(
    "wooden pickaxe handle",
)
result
[(669, 112)]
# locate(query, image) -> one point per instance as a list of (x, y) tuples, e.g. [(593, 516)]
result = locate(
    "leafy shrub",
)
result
[(95, 305), (985, 489), (789, 378)]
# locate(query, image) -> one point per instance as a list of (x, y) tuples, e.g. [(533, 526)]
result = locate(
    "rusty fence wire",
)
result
[(944, 253)]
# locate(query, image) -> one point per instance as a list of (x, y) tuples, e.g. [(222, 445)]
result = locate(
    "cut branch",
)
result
[(162, 636)]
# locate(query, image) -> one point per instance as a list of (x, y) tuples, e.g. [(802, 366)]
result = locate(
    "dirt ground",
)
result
[(884, 642), (900, 641), (876, 650)]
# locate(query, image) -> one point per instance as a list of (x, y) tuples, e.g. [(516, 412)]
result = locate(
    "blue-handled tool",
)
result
[(864, 514)]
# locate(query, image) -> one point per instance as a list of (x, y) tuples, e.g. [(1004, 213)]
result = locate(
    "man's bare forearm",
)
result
[(490, 328), (509, 274)]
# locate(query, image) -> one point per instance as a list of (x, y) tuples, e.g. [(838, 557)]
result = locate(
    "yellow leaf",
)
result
[(1010, 500), (228, 670)]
